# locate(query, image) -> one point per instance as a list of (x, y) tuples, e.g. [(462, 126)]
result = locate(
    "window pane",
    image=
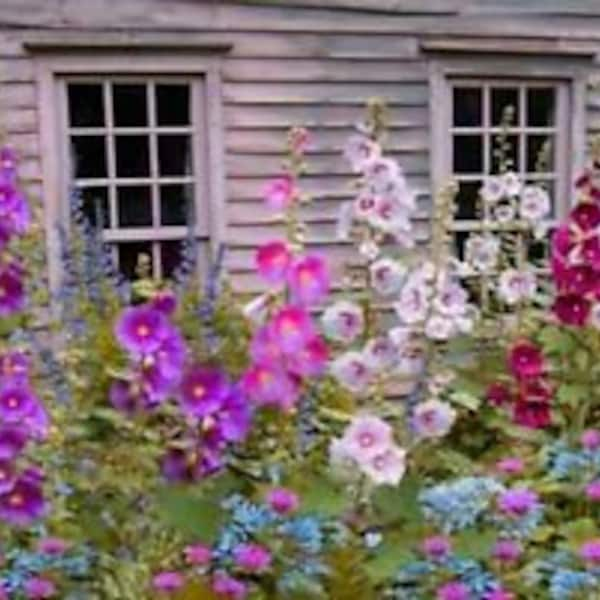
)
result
[(468, 154), (95, 204), (467, 200), (132, 156), (467, 107), (460, 239), (502, 99), (129, 101), (171, 254), (540, 153), (134, 206), (173, 104), (129, 255), (174, 155), (89, 156), (504, 153), (86, 106), (540, 107), (175, 202)]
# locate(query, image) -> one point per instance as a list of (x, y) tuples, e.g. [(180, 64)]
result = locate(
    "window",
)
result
[(134, 149)]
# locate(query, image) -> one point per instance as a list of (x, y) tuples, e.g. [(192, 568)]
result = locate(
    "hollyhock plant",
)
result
[(343, 321), (526, 360), (38, 588), (252, 558), (283, 501), (386, 467), (292, 327), (268, 385), (168, 581), (23, 504), (273, 261), (280, 193), (309, 280), (352, 371), (202, 391), (433, 418), (141, 330)]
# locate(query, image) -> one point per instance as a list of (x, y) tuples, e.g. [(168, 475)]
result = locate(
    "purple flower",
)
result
[(454, 590), (309, 280), (269, 385), (12, 291), (12, 441), (38, 588), (23, 504), (16, 403), (179, 466), (197, 554), (227, 587), (518, 502), (168, 581), (590, 439), (37, 422), (283, 501), (52, 546), (14, 367), (7, 477), (8, 162), (510, 465), (590, 552), (123, 397), (253, 558), (164, 301), (592, 491), (202, 391), (233, 417), (141, 330), (169, 358), (499, 594), (507, 551), (436, 547)]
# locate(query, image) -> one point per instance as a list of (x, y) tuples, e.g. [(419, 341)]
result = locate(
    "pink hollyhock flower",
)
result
[(498, 394), (385, 468), (283, 501), (454, 590), (592, 491), (590, 251), (279, 193), (572, 309), (586, 216), (197, 554), (367, 436), (579, 279), (226, 586), (510, 465), (518, 502), (264, 348), (309, 280), (526, 360), (500, 594), (590, 552), (253, 558), (273, 261), (291, 328), (312, 360), (433, 418), (269, 385), (14, 367), (590, 439), (436, 547), (533, 415), (53, 546), (38, 588), (168, 582), (507, 551)]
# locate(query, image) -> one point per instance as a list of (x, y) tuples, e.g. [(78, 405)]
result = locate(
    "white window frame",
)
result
[(55, 68)]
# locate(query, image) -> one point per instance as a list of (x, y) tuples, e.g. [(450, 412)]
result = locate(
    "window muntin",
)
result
[(133, 153)]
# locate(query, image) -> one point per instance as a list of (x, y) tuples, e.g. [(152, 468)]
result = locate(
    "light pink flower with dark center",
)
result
[(352, 371), (367, 436), (273, 261), (386, 467), (343, 321)]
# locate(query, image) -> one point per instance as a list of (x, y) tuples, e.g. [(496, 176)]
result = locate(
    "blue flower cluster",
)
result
[(563, 463), (566, 584), (460, 503)]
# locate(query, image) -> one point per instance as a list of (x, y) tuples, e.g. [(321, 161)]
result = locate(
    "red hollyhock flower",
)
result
[(572, 309), (526, 360), (586, 216), (498, 394), (533, 415)]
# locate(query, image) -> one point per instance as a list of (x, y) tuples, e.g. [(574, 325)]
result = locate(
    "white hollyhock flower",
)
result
[(481, 251), (400, 337), (387, 276), (352, 371), (364, 205), (451, 298), (380, 353), (360, 151), (413, 302), (535, 203), (512, 183), (504, 213), (367, 436), (369, 249), (515, 286), (439, 327), (390, 216), (257, 309), (387, 467), (433, 418), (343, 321), (493, 189), (379, 173)]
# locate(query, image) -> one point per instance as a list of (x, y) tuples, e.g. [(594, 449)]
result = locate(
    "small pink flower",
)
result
[(592, 491), (228, 587), (168, 581), (590, 552), (252, 557), (500, 594), (437, 547), (454, 590), (283, 501), (197, 554), (518, 502), (38, 588), (507, 551), (279, 193), (273, 260), (526, 360), (590, 439), (309, 280), (53, 546), (510, 465)]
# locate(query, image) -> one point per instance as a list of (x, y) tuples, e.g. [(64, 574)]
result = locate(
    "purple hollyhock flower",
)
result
[(453, 590), (168, 581), (436, 547), (518, 502), (312, 360), (123, 397), (283, 501), (264, 348), (23, 504), (233, 418), (37, 422), (185, 467), (12, 291), (592, 491), (7, 477), (14, 367), (38, 588), (202, 391), (169, 358), (16, 403), (8, 162), (141, 330), (507, 551), (228, 587), (165, 301), (253, 558), (499, 594), (12, 441)]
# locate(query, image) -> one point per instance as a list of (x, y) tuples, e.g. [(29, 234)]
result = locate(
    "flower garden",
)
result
[(414, 424)]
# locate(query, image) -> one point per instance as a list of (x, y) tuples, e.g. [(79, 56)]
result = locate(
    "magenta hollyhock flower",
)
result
[(283, 501), (264, 348), (532, 415), (312, 360), (592, 491), (518, 502), (586, 216), (197, 555), (590, 439), (280, 192), (511, 465), (14, 367), (141, 329), (572, 309), (253, 558), (291, 328), (168, 581), (12, 291), (7, 477), (579, 280), (228, 587), (507, 551), (52, 546), (268, 385), (12, 441), (16, 403), (24, 504), (202, 391), (309, 279), (273, 261), (164, 301), (498, 394), (453, 590), (590, 552), (38, 588), (526, 360), (436, 547), (590, 252)]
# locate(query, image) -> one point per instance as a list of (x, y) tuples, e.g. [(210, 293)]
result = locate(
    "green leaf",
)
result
[(321, 495), (398, 503), (572, 393), (388, 558), (578, 531), (556, 341), (466, 400), (475, 543)]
